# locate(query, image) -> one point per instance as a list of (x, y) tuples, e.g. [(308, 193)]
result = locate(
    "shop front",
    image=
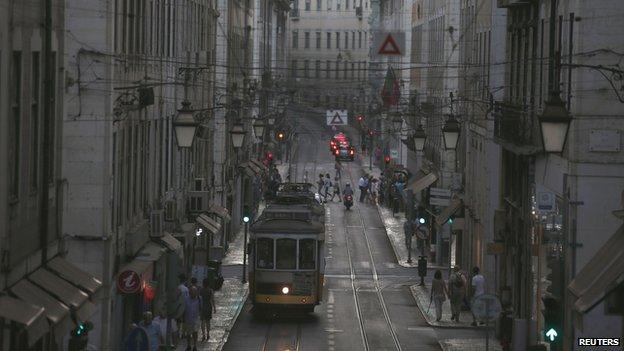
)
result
[(40, 310)]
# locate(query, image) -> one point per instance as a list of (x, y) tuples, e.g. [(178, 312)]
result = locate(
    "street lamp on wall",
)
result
[(450, 132), (238, 135), (185, 125), (554, 124), (258, 128), (419, 138)]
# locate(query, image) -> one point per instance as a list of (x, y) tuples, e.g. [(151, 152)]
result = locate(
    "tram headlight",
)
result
[(285, 290)]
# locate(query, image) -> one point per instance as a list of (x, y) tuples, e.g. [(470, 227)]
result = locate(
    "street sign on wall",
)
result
[(439, 197), (337, 117)]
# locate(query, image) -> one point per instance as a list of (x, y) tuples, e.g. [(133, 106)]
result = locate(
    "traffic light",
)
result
[(552, 311), (552, 321), (371, 133), (387, 159), (247, 213), (80, 336), (421, 216), (269, 157), (360, 118)]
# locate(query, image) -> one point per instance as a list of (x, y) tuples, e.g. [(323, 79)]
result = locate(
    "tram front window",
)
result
[(286, 254), (264, 253), (307, 253)]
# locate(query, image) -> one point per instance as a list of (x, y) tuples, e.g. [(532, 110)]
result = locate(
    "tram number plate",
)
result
[(303, 283)]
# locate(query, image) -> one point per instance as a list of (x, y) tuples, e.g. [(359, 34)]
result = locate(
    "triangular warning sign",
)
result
[(389, 47), (336, 119)]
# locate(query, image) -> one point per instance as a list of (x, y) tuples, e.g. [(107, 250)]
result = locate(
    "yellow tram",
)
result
[(286, 255)]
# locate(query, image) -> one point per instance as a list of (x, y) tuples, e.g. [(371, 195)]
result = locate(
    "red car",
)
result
[(339, 140)]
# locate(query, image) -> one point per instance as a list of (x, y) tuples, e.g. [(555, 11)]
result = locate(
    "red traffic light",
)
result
[(387, 159), (269, 156), (360, 118)]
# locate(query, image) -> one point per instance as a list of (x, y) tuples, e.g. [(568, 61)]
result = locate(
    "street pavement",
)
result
[(368, 303)]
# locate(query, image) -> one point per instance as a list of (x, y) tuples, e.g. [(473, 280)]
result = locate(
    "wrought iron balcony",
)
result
[(294, 14), (510, 3), (515, 127)]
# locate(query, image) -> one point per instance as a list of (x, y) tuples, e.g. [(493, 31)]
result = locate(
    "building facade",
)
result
[(130, 188), (329, 52), (557, 207)]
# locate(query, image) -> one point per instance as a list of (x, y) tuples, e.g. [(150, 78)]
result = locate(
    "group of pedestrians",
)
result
[(456, 289), (195, 308), (327, 188), (369, 189)]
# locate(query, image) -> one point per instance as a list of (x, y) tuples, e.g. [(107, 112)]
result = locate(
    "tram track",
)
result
[(375, 277), (270, 344)]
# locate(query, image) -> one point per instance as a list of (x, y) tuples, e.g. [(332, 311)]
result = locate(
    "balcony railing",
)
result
[(294, 14), (358, 12), (515, 125)]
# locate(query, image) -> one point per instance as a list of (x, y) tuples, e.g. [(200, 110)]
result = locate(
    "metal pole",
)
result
[(245, 254)]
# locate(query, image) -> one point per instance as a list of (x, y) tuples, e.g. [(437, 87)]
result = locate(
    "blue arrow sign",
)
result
[(551, 334)]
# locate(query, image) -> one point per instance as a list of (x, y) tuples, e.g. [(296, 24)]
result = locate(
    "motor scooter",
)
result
[(348, 201)]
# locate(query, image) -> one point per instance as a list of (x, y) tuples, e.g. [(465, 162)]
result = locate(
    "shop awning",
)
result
[(171, 243), (150, 252), (68, 294), (56, 312), (448, 211), (603, 273), (220, 211), (31, 317), (210, 224), (421, 183), (75, 276)]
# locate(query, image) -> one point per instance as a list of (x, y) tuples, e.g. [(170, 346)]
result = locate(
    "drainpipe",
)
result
[(47, 126)]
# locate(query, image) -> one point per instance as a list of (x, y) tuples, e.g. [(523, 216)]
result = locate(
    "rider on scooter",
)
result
[(347, 190)]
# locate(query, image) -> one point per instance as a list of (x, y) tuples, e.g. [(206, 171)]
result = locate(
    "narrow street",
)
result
[(367, 303)]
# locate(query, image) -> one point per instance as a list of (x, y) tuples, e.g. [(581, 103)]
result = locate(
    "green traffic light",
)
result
[(450, 221), (421, 220), (551, 334)]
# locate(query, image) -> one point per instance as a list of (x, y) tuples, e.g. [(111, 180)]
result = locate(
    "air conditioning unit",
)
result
[(199, 184), (198, 201), (171, 209), (156, 223)]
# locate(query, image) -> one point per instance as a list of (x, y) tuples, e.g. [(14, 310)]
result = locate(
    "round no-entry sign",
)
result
[(486, 307), (422, 232)]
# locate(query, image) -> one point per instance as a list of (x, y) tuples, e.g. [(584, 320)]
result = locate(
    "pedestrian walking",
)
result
[(438, 293), (478, 288), (338, 167), (207, 308), (161, 320), (336, 191), (192, 318), (363, 185), (153, 331), (320, 183), (457, 293), (182, 293), (327, 185), (374, 190)]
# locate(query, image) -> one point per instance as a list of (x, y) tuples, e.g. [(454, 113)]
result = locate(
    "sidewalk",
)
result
[(422, 296), (470, 344), (229, 300)]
